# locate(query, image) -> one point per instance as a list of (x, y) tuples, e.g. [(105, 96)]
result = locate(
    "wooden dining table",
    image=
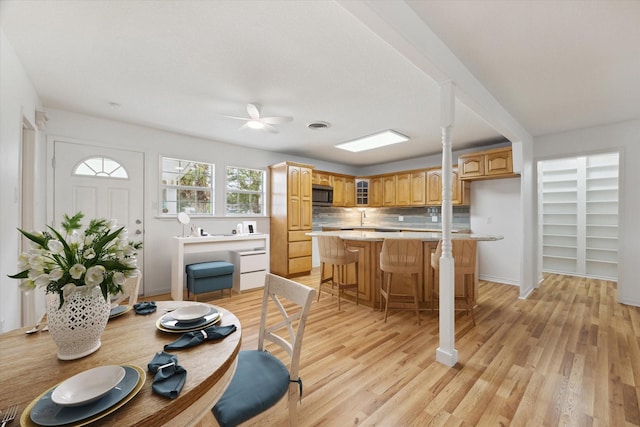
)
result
[(29, 367)]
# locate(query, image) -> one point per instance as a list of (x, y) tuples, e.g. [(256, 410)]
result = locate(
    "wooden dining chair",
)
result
[(400, 256), (130, 290), (335, 253), (464, 252), (261, 379)]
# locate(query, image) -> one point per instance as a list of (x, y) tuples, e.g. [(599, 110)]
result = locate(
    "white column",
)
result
[(446, 352)]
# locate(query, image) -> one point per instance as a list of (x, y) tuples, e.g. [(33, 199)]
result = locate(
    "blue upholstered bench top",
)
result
[(209, 269)]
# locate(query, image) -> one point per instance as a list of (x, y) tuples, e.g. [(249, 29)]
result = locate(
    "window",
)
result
[(187, 186), (245, 191), (101, 167)]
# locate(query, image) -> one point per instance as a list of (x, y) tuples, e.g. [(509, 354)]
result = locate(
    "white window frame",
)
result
[(169, 181), (262, 193)]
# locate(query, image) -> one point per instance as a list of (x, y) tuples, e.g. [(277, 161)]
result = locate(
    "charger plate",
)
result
[(217, 317), (119, 311), (74, 415)]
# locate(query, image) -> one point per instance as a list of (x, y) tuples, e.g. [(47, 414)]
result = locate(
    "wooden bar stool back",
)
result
[(464, 252), (400, 256), (334, 252)]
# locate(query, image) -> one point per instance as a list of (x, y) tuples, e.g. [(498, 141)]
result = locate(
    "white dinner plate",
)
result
[(190, 312), (88, 386)]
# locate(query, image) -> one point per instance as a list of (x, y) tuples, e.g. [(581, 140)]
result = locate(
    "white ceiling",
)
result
[(179, 65)]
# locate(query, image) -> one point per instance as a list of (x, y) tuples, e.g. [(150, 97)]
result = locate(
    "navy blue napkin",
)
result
[(146, 307), (191, 339), (169, 377)]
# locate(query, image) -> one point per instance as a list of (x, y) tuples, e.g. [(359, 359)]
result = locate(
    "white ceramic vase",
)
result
[(77, 326)]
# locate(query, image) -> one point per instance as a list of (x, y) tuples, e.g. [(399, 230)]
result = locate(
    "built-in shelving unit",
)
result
[(579, 215)]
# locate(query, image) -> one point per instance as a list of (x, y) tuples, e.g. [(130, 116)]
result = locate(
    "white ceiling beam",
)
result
[(396, 23)]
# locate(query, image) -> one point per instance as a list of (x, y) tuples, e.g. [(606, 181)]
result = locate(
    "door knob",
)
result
[(138, 221), (138, 231)]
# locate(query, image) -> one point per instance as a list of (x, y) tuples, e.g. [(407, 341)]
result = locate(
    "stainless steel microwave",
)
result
[(322, 195)]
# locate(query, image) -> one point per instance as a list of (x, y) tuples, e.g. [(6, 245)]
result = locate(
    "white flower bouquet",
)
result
[(69, 260)]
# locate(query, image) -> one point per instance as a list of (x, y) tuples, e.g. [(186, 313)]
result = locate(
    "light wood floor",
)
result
[(567, 355)]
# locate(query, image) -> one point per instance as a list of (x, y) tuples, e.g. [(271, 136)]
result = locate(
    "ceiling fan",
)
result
[(255, 121)]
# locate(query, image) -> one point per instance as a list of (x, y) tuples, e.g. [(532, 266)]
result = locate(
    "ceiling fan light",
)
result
[(255, 124)]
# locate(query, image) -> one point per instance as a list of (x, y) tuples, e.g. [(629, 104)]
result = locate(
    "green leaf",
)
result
[(21, 275), (73, 223), (40, 240)]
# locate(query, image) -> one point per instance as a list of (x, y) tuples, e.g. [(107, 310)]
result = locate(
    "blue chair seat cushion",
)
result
[(260, 381)]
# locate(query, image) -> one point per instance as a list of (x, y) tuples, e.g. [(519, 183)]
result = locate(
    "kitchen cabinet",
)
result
[(418, 188), (362, 192), (389, 190), (460, 190), (322, 178), (488, 164), (411, 188), (403, 189), (375, 191), (344, 191), (291, 218)]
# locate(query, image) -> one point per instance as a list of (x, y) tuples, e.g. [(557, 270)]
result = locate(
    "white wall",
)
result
[(625, 138), (64, 125), (495, 210), (18, 100)]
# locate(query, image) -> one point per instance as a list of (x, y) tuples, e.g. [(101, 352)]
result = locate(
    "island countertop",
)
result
[(373, 236)]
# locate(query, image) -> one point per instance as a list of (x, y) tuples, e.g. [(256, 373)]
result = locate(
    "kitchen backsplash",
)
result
[(410, 217)]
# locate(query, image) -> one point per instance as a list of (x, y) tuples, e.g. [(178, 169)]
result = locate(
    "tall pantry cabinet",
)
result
[(579, 215), (291, 218)]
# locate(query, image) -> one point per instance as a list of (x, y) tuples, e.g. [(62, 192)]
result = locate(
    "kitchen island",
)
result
[(369, 244)]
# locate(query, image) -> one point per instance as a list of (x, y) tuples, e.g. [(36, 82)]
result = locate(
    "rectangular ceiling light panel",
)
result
[(370, 142)]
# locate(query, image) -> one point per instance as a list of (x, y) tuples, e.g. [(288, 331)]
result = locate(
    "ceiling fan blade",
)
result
[(275, 120), (234, 117), (270, 128), (244, 126), (254, 111)]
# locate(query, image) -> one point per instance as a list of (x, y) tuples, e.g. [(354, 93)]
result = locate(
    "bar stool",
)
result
[(334, 251), (400, 256), (464, 253)]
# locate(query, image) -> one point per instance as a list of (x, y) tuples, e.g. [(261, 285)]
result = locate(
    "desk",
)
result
[(183, 246), (29, 367)]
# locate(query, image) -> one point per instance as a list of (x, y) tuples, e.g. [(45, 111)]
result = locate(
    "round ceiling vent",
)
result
[(318, 125)]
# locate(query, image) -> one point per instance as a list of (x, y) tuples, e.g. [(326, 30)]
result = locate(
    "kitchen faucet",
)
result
[(363, 215)]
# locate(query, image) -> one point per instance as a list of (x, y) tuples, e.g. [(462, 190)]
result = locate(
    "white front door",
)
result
[(101, 183)]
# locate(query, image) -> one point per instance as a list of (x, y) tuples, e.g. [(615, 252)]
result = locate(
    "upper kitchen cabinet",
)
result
[(411, 188), (362, 192), (291, 218), (489, 164), (460, 190), (389, 190), (344, 191), (375, 191), (322, 178), (418, 188), (403, 189)]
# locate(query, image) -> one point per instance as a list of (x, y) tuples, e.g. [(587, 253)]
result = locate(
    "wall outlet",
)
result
[(400, 218), (434, 218)]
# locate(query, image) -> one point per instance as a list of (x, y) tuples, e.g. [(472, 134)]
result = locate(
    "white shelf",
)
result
[(579, 215)]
